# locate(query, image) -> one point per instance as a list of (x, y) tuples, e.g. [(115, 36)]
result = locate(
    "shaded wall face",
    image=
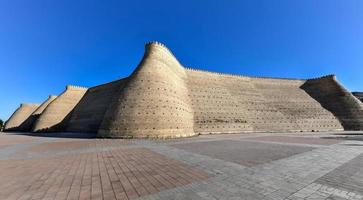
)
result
[(223, 103), (335, 98), (154, 103), (89, 112)]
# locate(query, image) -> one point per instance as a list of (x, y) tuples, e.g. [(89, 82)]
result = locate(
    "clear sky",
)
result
[(47, 44)]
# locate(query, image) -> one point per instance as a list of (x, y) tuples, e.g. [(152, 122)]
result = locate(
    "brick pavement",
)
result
[(240, 166)]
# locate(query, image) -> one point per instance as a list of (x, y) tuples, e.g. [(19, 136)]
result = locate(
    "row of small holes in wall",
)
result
[(272, 120), (158, 88), (242, 112), (206, 127), (180, 103), (284, 126), (152, 96), (154, 128), (150, 110)]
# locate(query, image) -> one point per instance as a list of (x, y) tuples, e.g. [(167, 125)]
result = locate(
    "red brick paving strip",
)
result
[(118, 174), (296, 140)]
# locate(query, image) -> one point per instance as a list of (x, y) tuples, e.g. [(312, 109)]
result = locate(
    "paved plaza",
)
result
[(290, 166)]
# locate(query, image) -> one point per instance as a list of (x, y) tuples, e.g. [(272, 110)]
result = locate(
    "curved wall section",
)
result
[(20, 116), (154, 102), (89, 112), (28, 124), (56, 114), (335, 98)]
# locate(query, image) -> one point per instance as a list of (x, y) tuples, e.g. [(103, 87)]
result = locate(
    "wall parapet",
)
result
[(238, 75), (29, 104), (328, 76), (74, 87)]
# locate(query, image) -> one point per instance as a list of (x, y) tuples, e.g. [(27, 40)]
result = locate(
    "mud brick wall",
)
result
[(154, 101), (55, 115), (339, 101), (89, 112), (20, 115)]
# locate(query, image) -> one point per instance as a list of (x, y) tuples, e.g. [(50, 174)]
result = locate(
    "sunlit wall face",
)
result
[(47, 45)]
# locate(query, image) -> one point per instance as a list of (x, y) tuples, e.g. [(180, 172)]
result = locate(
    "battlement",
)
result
[(29, 104), (329, 76), (240, 76), (74, 87)]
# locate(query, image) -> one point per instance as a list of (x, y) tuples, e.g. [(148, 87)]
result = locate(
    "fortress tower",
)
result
[(154, 102), (163, 99)]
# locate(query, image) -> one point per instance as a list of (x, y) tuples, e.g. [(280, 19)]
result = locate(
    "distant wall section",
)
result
[(56, 114), (20, 116), (28, 124)]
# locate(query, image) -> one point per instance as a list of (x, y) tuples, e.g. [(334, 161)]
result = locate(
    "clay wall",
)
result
[(163, 99), (154, 102), (28, 124), (20, 115), (335, 98), (228, 103), (89, 112), (56, 114)]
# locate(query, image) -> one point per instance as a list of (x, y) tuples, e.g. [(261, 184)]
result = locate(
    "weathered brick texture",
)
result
[(55, 115), (163, 99), (20, 115)]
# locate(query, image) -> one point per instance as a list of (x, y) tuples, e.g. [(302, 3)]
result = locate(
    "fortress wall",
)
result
[(228, 103), (55, 115), (216, 107), (28, 124), (292, 109), (335, 98), (20, 116), (154, 102), (162, 99), (359, 95), (89, 112)]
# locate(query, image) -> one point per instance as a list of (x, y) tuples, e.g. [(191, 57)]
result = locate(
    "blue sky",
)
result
[(45, 45)]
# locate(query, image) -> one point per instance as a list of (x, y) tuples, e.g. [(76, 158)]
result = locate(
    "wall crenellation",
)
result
[(237, 75), (74, 87)]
